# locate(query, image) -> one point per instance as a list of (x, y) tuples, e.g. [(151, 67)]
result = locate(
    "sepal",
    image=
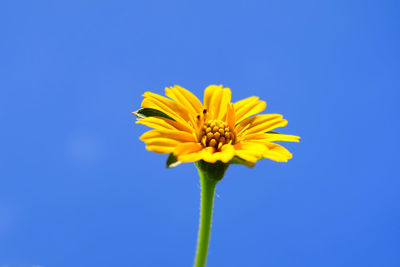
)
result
[(150, 112), (212, 171), (237, 160), (172, 161)]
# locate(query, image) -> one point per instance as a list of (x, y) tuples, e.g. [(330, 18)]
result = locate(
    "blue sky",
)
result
[(77, 187)]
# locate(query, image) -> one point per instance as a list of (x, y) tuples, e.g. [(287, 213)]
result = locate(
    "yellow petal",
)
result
[(162, 142), (283, 138), (230, 116), (216, 100), (250, 151), (185, 98), (222, 104), (191, 157), (165, 141), (247, 156), (160, 149), (277, 153), (168, 106), (209, 94), (196, 155), (260, 124), (226, 154), (160, 123), (248, 107), (271, 137), (179, 136), (187, 148)]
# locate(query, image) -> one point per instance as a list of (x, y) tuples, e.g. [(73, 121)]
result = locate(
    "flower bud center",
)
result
[(216, 133)]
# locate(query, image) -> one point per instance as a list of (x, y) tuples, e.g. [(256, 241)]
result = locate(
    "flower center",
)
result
[(216, 133)]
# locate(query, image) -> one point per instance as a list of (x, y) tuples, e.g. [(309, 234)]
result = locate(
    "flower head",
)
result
[(215, 130)]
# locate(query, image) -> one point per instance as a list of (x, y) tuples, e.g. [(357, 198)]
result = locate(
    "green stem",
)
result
[(207, 199)]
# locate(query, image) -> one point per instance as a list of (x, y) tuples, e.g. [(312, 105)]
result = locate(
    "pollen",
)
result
[(216, 133)]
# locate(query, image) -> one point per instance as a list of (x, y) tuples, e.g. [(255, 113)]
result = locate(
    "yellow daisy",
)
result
[(215, 130)]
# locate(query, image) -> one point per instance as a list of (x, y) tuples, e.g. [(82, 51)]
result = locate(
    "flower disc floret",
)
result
[(216, 133)]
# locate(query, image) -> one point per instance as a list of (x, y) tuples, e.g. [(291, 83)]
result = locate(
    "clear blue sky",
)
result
[(78, 188)]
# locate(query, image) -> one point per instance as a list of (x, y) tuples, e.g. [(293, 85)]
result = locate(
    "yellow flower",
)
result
[(217, 130)]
